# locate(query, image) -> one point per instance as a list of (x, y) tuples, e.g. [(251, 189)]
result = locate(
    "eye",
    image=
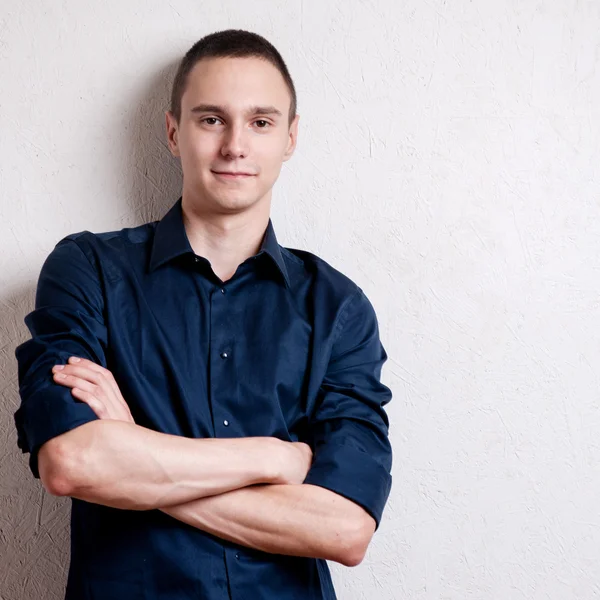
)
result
[(266, 123), (206, 119)]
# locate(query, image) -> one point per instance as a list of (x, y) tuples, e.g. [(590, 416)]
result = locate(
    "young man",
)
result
[(210, 400)]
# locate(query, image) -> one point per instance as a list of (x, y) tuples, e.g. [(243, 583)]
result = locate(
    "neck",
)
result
[(225, 239)]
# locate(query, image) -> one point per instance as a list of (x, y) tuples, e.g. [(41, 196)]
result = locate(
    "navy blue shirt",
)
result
[(288, 347)]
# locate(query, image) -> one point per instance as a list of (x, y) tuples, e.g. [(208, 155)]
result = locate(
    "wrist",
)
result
[(268, 459)]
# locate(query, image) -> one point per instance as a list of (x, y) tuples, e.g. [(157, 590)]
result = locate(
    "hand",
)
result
[(296, 459), (95, 386)]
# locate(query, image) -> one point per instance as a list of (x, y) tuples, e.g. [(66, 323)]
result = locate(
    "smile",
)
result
[(232, 176)]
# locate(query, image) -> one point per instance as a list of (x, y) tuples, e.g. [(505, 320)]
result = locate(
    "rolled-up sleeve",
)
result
[(349, 430), (67, 321)]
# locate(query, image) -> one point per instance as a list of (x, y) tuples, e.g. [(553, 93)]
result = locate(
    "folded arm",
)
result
[(334, 514), (111, 461), (123, 465), (96, 452), (297, 520)]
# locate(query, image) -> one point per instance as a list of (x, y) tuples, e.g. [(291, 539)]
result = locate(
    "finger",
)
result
[(113, 408), (95, 383), (84, 362), (81, 372), (92, 401), (91, 395), (103, 379), (92, 376), (99, 375), (73, 381)]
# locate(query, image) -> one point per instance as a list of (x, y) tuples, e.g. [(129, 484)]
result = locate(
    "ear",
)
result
[(292, 138), (172, 133)]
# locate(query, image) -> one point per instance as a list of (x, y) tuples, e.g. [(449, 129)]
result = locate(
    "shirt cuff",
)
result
[(353, 474), (47, 413)]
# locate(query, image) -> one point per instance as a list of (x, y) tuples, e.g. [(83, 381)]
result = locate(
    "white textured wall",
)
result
[(449, 163)]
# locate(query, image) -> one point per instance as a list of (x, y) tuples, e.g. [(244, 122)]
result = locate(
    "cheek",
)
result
[(270, 157), (195, 156), (272, 165)]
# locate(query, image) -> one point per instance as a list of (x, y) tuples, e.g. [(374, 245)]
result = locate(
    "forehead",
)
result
[(236, 83)]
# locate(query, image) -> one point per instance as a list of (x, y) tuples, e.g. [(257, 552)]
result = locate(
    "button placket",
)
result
[(223, 354), (224, 351)]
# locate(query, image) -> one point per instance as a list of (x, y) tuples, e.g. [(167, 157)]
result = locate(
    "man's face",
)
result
[(234, 118)]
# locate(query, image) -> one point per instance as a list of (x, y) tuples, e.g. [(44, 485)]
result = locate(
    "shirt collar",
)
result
[(170, 241)]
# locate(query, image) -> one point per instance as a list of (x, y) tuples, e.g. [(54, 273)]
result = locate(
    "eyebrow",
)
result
[(253, 110)]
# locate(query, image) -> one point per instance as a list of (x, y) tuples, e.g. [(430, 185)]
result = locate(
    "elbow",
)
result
[(57, 487), (352, 555), (350, 559), (56, 467), (352, 546)]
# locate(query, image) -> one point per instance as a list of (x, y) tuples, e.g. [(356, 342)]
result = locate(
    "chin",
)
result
[(236, 197), (235, 204)]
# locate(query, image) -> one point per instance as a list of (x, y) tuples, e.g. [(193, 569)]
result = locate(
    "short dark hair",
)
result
[(230, 43)]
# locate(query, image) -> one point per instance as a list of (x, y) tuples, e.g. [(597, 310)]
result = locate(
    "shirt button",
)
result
[(226, 423), (224, 355), (237, 555), (222, 291), (197, 258)]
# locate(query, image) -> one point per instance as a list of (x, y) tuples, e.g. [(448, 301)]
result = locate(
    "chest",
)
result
[(202, 360)]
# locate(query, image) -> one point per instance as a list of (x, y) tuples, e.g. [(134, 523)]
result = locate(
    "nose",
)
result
[(234, 142)]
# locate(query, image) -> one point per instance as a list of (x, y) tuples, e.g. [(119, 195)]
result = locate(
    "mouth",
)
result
[(232, 175)]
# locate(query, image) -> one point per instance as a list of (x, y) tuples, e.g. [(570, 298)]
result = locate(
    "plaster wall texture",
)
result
[(448, 162)]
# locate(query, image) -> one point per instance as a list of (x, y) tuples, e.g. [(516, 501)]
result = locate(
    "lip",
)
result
[(224, 175)]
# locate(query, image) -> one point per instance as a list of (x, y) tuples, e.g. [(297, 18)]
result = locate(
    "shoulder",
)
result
[(349, 299), (333, 291), (117, 239), (106, 246), (323, 274)]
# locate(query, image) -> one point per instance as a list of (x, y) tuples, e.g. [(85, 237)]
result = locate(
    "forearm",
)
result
[(123, 465), (297, 520)]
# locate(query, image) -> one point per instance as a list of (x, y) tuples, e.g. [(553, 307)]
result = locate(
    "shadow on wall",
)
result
[(34, 526), (151, 172)]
